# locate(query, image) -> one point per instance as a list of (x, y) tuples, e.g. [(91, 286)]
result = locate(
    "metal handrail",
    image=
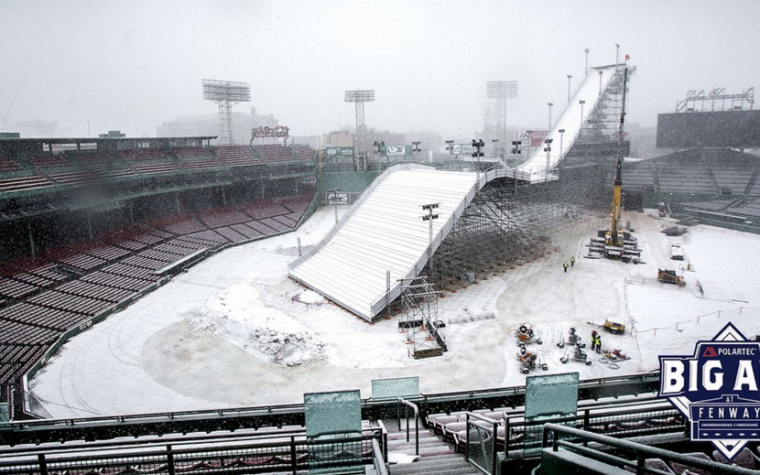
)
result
[(409, 404), (641, 451), (286, 447), (378, 459), (494, 428), (384, 435)]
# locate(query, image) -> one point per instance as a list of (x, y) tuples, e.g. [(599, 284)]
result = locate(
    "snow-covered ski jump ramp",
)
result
[(384, 232), (591, 92)]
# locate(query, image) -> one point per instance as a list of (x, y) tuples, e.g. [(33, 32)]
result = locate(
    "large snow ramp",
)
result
[(571, 120), (384, 231)]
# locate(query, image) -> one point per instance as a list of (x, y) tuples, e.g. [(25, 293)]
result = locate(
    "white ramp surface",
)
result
[(384, 231), (571, 120)]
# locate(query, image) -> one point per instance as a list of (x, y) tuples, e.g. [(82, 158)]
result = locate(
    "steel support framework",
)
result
[(420, 319), (602, 123), (226, 94), (504, 226), (361, 145)]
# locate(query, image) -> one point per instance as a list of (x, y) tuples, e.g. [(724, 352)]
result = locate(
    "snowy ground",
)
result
[(235, 331)]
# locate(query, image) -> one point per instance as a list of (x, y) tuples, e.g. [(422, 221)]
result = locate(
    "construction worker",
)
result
[(598, 343), (572, 261), (593, 340), (564, 266)]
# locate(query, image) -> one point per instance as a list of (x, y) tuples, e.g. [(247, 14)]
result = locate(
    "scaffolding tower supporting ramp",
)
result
[(420, 320)]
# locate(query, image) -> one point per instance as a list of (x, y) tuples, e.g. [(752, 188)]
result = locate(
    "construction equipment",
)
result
[(572, 339), (526, 336), (578, 355), (611, 327), (616, 355), (528, 361), (613, 242), (670, 277)]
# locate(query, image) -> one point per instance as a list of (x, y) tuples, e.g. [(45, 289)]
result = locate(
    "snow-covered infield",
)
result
[(235, 331)]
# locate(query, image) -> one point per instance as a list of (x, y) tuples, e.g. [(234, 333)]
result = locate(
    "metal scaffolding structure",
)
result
[(504, 226), (420, 320), (226, 94), (602, 123)]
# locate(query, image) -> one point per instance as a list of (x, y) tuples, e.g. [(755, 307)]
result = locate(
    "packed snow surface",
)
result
[(235, 331)]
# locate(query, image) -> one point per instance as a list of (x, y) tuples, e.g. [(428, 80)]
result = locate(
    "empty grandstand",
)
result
[(89, 225)]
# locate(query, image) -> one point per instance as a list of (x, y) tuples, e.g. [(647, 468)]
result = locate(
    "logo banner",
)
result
[(716, 388)]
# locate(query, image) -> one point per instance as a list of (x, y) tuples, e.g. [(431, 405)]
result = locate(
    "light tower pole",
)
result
[(569, 78), (416, 148), (561, 137), (226, 94), (333, 195), (478, 146), (587, 50), (548, 150), (449, 147), (501, 91), (516, 151), (429, 218), (550, 118), (359, 97)]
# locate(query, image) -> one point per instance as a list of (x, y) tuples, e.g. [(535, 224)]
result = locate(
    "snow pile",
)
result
[(237, 315)]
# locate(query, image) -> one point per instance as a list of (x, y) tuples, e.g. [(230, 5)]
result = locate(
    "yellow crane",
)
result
[(614, 237)]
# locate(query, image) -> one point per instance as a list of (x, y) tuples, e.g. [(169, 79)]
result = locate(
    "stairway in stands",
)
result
[(436, 456)]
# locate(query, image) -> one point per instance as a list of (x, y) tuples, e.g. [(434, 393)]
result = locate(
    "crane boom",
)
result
[(615, 239)]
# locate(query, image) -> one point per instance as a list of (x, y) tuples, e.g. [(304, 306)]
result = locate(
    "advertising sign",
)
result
[(398, 150), (336, 198), (716, 388), (339, 152), (278, 132), (462, 149)]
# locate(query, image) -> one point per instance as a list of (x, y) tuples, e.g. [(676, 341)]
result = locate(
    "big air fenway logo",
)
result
[(716, 388)]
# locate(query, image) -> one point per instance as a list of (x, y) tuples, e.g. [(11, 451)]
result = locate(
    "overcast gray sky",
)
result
[(131, 65)]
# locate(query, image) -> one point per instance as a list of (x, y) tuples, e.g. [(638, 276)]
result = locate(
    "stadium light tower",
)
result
[(501, 91), (226, 94), (359, 97)]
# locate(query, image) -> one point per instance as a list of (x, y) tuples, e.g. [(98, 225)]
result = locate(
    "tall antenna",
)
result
[(226, 94), (360, 97)]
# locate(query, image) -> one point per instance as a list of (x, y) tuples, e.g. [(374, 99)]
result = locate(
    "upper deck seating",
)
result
[(236, 155), (274, 153)]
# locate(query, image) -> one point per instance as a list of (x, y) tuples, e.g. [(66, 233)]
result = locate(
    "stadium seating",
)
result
[(67, 284), (236, 155), (90, 157), (48, 161), (264, 209), (302, 152), (273, 153), (143, 154), (7, 165), (194, 158), (219, 217), (26, 182)]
